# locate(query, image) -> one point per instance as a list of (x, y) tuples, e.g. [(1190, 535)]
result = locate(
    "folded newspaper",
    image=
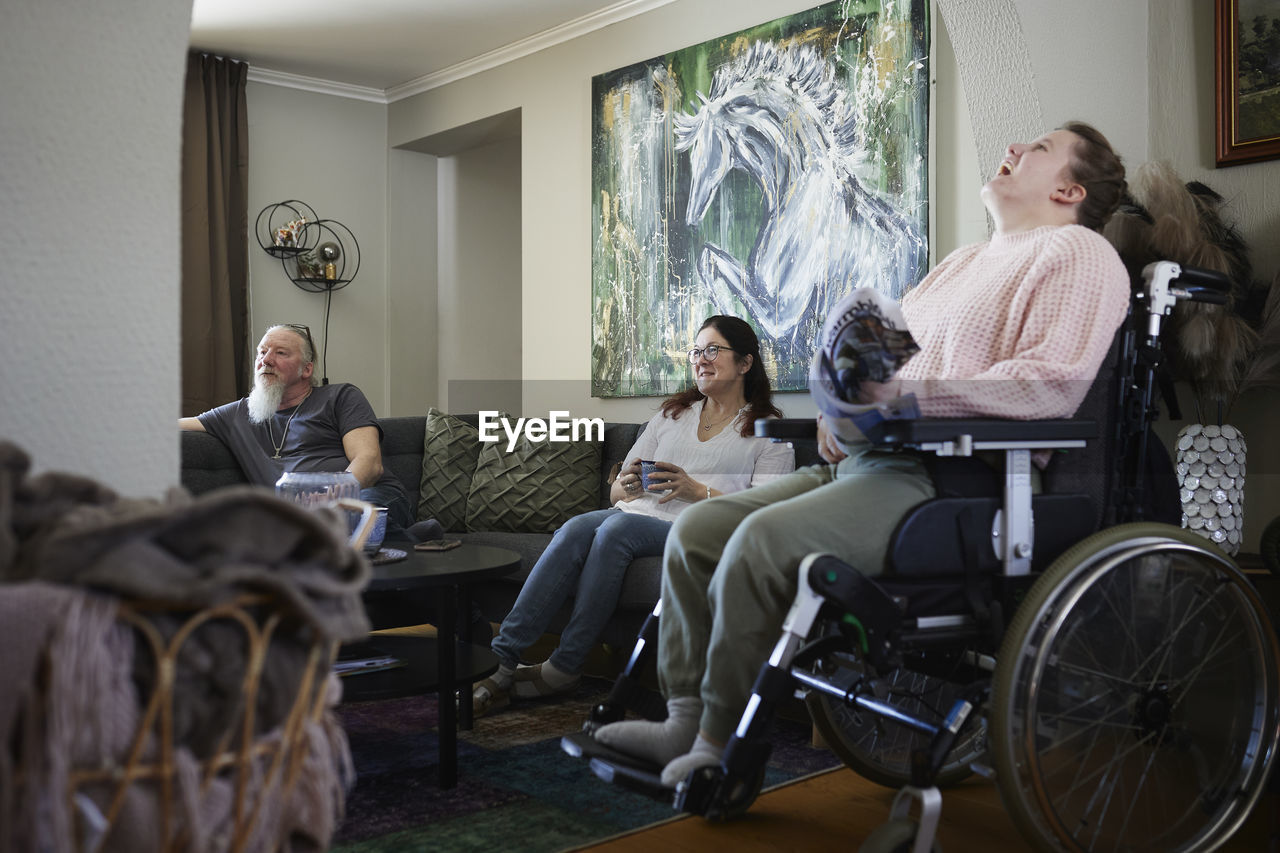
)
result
[(865, 339)]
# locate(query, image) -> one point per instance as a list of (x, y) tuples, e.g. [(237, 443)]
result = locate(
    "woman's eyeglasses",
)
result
[(709, 352)]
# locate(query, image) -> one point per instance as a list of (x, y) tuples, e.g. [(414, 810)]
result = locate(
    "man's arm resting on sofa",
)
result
[(191, 424)]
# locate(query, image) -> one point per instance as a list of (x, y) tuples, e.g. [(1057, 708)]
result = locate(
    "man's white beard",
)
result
[(264, 400)]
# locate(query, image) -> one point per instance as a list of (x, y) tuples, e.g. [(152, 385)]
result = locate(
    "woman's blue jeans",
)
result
[(587, 558)]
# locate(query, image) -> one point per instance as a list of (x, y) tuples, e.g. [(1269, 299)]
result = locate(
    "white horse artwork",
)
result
[(780, 116)]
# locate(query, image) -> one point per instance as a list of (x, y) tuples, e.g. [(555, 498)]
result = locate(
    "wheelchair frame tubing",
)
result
[(627, 692)]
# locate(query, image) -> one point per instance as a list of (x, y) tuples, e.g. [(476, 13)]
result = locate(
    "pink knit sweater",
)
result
[(1016, 327)]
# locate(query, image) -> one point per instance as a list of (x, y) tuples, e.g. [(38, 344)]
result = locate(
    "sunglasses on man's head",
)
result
[(305, 331)]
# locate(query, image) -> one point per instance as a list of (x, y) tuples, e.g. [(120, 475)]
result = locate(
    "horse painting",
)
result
[(780, 116)]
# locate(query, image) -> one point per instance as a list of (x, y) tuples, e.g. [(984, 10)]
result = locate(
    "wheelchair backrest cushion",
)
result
[(940, 537), (1090, 471)]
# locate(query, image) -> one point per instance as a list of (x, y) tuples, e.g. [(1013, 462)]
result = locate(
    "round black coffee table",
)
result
[(428, 586)]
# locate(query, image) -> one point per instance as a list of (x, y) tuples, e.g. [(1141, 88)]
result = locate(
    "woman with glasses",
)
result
[(702, 441)]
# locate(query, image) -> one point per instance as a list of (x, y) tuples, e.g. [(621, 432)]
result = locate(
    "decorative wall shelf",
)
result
[(318, 255)]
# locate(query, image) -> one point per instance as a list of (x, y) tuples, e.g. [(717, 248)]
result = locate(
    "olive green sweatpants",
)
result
[(730, 568)]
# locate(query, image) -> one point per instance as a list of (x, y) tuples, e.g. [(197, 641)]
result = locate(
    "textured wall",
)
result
[(331, 153), (90, 116), (995, 72), (1030, 65)]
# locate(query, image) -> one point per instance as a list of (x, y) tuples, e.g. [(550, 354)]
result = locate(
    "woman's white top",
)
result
[(727, 462)]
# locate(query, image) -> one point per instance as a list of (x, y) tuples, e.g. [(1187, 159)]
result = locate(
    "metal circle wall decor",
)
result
[(281, 228), (318, 255)]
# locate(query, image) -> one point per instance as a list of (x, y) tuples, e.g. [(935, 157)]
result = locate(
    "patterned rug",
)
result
[(516, 789)]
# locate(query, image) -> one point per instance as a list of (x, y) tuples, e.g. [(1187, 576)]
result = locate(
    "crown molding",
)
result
[(315, 84), (508, 53), (519, 49)]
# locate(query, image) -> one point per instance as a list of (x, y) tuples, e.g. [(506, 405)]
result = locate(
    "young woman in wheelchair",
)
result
[(1012, 328)]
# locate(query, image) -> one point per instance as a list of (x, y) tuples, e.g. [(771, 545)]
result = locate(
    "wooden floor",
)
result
[(835, 810)]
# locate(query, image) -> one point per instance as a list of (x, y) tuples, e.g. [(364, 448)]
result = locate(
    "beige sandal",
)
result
[(488, 696), (529, 684)]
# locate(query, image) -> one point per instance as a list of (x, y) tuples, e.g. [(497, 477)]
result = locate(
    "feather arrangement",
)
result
[(1216, 349)]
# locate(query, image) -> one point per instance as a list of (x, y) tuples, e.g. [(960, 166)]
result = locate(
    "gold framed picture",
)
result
[(1247, 53)]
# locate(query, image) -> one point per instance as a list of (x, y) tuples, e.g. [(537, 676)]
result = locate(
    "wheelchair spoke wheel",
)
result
[(1134, 703), (880, 749)]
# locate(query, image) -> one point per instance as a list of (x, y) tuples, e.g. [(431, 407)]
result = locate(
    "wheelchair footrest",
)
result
[(584, 746), (647, 782)]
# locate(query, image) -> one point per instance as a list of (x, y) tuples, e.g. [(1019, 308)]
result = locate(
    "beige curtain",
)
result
[(215, 239)]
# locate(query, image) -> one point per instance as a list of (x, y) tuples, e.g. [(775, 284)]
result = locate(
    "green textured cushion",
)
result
[(535, 488), (449, 454)]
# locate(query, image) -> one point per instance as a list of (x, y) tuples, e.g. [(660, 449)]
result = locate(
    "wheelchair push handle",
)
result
[(1204, 285), (1168, 282)]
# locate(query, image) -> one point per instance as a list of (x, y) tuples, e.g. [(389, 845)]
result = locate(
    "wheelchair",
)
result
[(1117, 675)]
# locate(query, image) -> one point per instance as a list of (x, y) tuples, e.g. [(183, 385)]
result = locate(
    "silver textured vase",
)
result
[(1210, 466)]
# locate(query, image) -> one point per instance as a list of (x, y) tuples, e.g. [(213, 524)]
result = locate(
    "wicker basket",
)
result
[(251, 768)]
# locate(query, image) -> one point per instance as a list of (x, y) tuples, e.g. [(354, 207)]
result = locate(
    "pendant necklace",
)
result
[(285, 435), (707, 426)]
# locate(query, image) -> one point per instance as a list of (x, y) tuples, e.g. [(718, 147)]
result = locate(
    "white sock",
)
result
[(505, 676), (704, 754), (555, 681), (556, 678), (657, 742)]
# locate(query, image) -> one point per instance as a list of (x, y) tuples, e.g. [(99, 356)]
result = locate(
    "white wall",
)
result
[(480, 297), (90, 133), (552, 90), (413, 362), (331, 153)]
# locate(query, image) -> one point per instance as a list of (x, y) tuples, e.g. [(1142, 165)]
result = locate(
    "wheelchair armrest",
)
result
[(939, 434), (951, 436), (782, 429)]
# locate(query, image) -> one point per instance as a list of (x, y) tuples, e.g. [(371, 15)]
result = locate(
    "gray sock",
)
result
[(657, 742), (704, 754)]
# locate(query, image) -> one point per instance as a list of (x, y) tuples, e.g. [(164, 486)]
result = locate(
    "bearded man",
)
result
[(290, 423)]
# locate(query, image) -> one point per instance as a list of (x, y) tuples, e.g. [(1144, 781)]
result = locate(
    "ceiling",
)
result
[(385, 44)]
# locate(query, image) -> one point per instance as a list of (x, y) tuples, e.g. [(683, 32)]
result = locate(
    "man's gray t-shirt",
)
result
[(311, 442)]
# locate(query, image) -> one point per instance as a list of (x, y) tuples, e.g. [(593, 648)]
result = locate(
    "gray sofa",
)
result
[(207, 464)]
